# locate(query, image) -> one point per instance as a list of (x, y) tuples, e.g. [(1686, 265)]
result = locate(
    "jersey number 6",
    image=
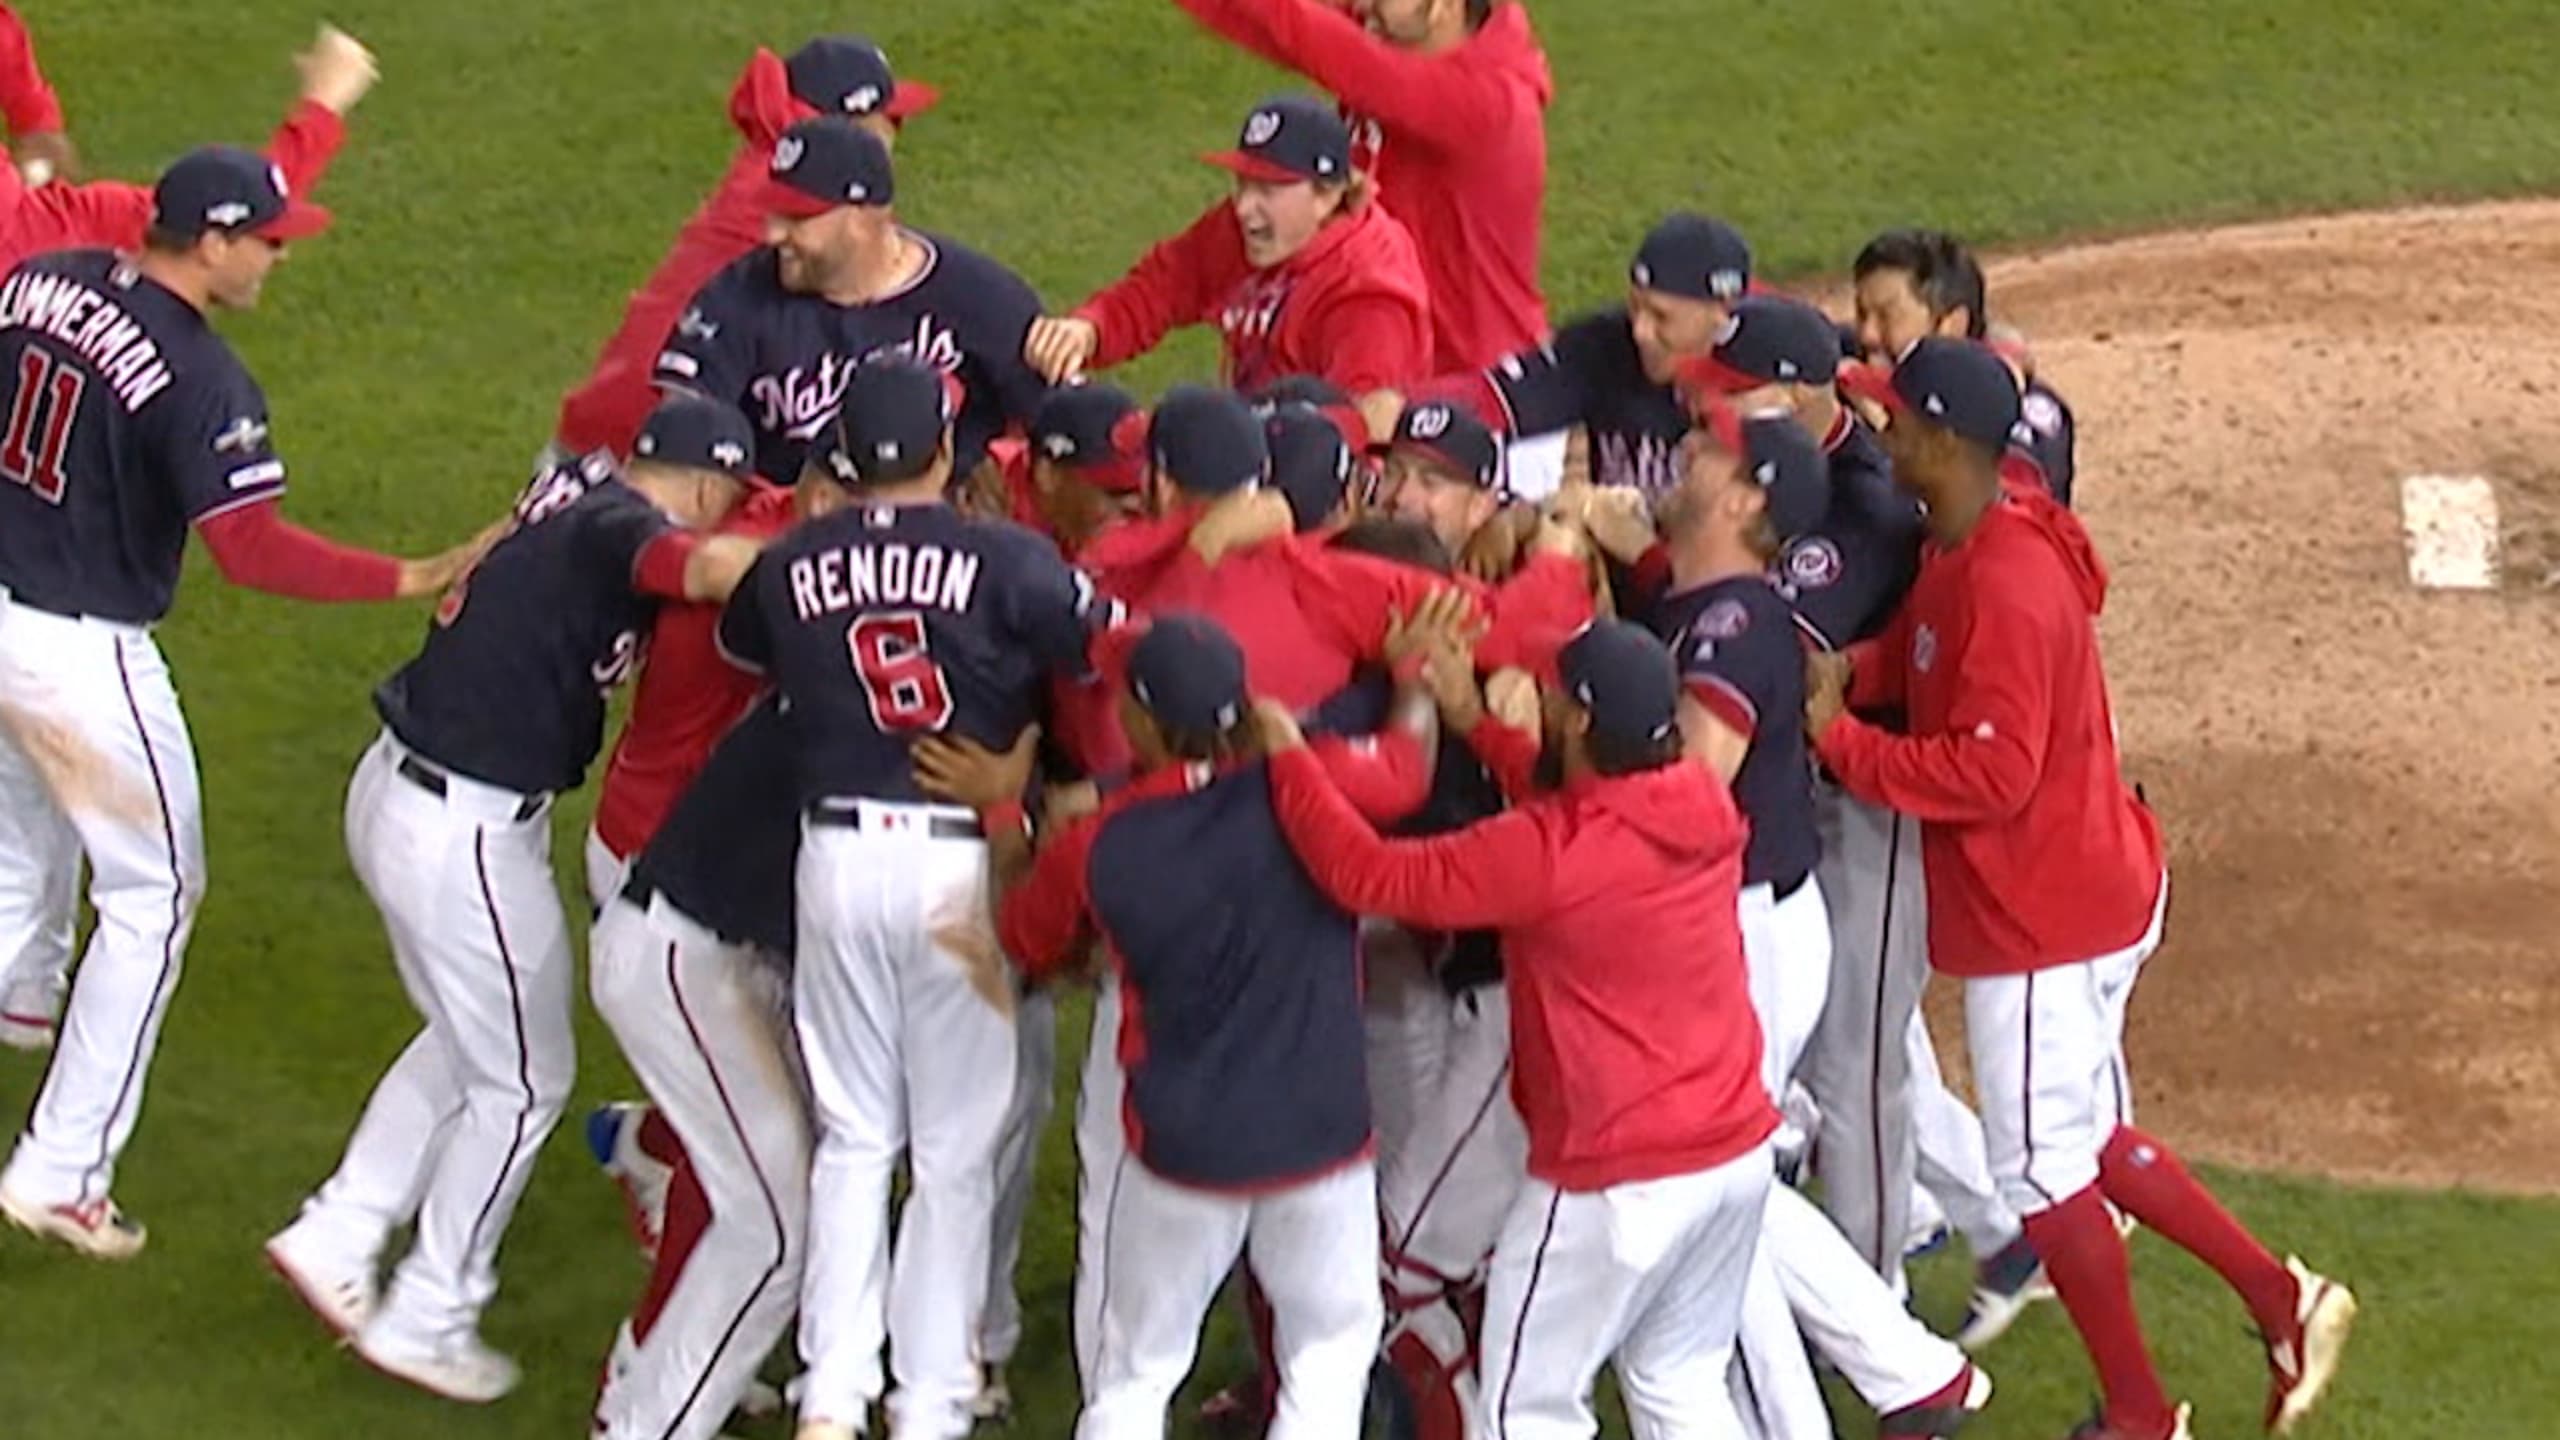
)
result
[(901, 679), (27, 457)]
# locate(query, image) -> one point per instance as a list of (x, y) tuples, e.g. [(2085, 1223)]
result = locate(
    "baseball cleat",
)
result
[(98, 1229), (1927, 1242), (2097, 1428), (1941, 1414), (613, 1136), (994, 1400), (344, 1298), (458, 1368), (2303, 1358), (2003, 1288)]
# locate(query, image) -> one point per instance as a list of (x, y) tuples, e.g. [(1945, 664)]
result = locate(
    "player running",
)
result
[(2047, 884), (893, 618), (129, 422), (500, 713)]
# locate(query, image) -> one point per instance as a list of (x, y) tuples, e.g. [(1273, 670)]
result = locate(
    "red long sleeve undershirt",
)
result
[(257, 547)]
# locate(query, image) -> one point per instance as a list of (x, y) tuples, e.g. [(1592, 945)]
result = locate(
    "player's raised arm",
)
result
[(37, 141), (337, 73)]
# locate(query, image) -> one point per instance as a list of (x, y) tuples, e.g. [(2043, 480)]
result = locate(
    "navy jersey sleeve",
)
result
[(214, 447), (711, 349), (1052, 607), (999, 318), (742, 634), (617, 532), (1550, 388), (1731, 670), (2049, 435)]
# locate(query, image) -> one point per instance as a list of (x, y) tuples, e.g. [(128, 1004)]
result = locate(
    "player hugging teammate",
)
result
[(1472, 969)]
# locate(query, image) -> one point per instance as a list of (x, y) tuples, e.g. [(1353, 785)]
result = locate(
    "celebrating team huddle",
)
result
[(1504, 787)]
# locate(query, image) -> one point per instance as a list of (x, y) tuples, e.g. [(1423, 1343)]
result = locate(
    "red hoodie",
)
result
[(1460, 154), (1351, 305), (26, 101), (2037, 852), (607, 410), (1634, 1050)]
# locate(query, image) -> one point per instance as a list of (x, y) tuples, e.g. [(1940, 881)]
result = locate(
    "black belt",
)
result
[(847, 815), (58, 612), (1786, 889), (432, 780)]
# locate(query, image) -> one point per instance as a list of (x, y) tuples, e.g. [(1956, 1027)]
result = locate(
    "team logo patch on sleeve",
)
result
[(1813, 564), (240, 436), (2042, 415), (1721, 621)]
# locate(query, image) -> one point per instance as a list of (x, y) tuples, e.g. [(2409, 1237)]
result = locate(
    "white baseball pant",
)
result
[(95, 758), (1649, 1275), (464, 884), (39, 898), (605, 871), (1954, 1170), (1451, 1149), (1026, 1120), (905, 1008), (1166, 1249), (2048, 1062), (1102, 1138), (706, 1025)]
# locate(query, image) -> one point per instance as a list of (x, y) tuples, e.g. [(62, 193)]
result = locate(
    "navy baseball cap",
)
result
[(1096, 431), (699, 433), (1783, 459), (1625, 678), (824, 162), (849, 75), (1290, 138), (1207, 441), (1451, 436), (223, 187), (892, 422), (1695, 257), (1962, 385), (1767, 340), (1311, 462), (1188, 673)]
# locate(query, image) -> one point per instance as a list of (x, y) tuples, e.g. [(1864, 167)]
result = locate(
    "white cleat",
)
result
[(343, 1296), (994, 1400), (98, 1229), (457, 1368), (2301, 1362)]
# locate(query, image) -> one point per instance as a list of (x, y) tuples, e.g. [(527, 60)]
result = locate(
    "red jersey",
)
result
[(112, 214), (1630, 1061), (2037, 852), (687, 697), (26, 101), (1457, 143), (1351, 305)]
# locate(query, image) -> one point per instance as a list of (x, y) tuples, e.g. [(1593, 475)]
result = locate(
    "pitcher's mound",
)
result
[(2361, 778)]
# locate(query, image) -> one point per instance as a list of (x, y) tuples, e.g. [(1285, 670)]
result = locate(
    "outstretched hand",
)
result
[(957, 769), (337, 71)]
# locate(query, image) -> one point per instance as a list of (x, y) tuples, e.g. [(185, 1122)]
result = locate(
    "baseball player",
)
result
[(39, 906), (1612, 372), (1081, 466), (1248, 1109), (129, 422), (1752, 487), (2047, 887), (1444, 468), (36, 216), (1312, 464), (893, 618), (1637, 1061), (779, 331), (501, 711), (1300, 271), (845, 75)]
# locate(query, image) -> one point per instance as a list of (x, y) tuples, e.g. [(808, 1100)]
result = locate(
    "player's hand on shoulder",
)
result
[(961, 771), (1239, 522), (1618, 520), (1826, 689), (337, 71), (437, 573), (1493, 551), (1275, 726), (718, 563), (45, 156), (1511, 694), (1060, 346)]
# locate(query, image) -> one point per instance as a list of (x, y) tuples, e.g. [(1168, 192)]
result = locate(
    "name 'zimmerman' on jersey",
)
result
[(784, 357), (124, 419), (881, 623), (510, 687)]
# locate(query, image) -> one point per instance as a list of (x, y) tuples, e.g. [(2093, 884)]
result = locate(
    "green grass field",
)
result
[(522, 165)]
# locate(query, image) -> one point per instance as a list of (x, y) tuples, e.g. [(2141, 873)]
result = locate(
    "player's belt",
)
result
[(880, 817), (432, 780)]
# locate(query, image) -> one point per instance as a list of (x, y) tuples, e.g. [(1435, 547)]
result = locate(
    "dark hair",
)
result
[(1943, 272), (164, 240), (1407, 542), (1478, 12), (1239, 739), (1612, 756)]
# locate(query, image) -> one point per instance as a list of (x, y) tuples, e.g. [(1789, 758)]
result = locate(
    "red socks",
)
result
[(657, 1138), (2084, 1257), (2147, 1181)]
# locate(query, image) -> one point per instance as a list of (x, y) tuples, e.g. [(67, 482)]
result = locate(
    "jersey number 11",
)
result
[(48, 399)]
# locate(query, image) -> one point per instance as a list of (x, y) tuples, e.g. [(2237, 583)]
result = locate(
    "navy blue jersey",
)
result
[(1590, 374), (123, 420), (1735, 641), (726, 853), (784, 358), (510, 686), (1245, 984), (1847, 576), (885, 623), (2048, 435)]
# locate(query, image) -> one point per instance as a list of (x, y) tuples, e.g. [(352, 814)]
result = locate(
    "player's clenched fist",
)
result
[(1060, 346), (337, 70)]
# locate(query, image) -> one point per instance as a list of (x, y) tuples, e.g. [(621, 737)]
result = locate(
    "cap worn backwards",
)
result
[(1290, 138), (1311, 462), (1694, 257), (227, 189), (824, 162), (1207, 441), (892, 422), (698, 433), (1961, 385), (1783, 459), (1188, 673), (849, 75), (1625, 679)]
